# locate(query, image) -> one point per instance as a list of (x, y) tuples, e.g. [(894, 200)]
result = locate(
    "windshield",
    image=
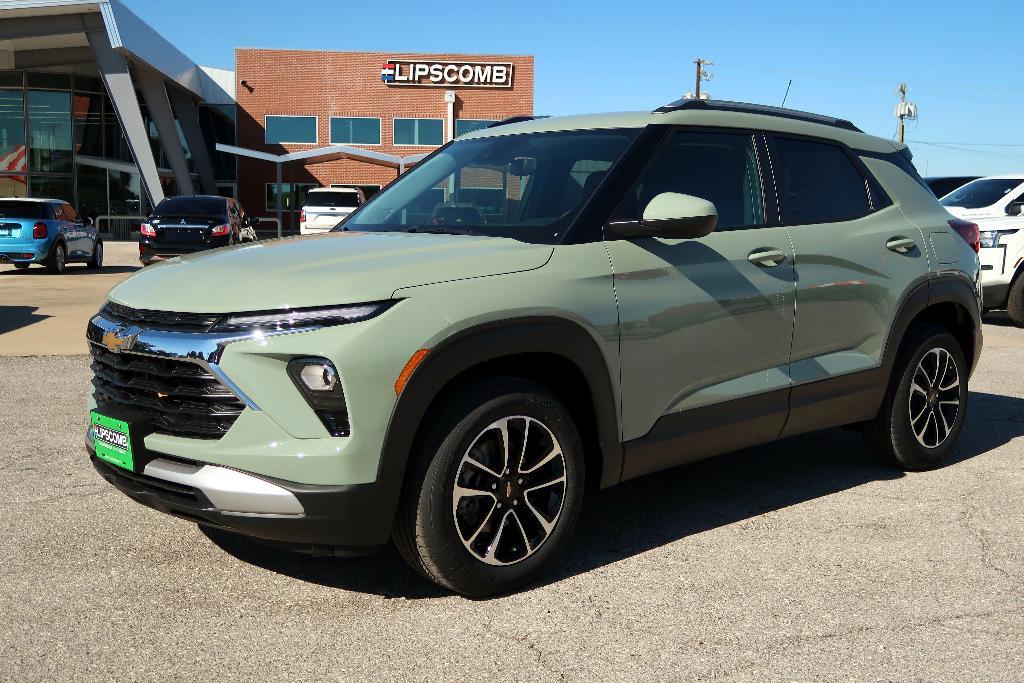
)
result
[(529, 186), (192, 206), (332, 199), (980, 193)]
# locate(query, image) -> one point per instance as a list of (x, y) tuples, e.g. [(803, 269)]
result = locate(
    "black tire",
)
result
[(427, 532), (894, 433), (57, 264), (21, 266), (96, 262), (1015, 301)]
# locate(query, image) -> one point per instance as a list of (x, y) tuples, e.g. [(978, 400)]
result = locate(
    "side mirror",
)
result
[(670, 215), (1014, 208), (88, 220), (522, 166)]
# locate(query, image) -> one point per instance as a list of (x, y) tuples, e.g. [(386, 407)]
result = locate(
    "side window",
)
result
[(58, 212), (719, 167), (818, 183)]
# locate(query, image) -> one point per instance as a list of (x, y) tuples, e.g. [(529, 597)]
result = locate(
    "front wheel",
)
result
[(497, 490), (96, 262), (926, 402)]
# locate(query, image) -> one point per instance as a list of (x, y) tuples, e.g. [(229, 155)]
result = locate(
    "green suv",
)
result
[(537, 309)]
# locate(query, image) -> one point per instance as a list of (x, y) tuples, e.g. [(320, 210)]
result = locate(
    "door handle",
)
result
[(901, 245), (766, 257)]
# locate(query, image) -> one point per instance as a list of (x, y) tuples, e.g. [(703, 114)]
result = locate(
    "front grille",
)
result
[(180, 397), (160, 320)]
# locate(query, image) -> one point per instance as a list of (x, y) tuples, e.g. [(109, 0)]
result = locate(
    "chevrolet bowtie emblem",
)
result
[(121, 339)]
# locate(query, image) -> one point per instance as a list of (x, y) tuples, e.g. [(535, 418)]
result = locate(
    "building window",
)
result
[(469, 125), (288, 198), (355, 130), (49, 131), (294, 129), (422, 132)]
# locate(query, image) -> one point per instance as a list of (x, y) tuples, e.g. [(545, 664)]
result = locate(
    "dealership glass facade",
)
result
[(60, 138)]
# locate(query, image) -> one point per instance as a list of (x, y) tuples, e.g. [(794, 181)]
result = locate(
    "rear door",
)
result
[(705, 324), (857, 255)]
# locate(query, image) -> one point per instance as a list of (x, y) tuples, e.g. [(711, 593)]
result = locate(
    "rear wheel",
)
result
[(497, 491), (1015, 301), (58, 261), (96, 262), (924, 407)]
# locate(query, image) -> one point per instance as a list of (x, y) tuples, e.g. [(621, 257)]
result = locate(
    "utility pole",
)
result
[(701, 75), (904, 110)]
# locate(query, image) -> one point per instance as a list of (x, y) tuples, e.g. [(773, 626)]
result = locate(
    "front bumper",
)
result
[(337, 520)]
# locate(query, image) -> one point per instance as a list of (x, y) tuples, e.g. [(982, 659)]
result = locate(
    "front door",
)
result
[(706, 324)]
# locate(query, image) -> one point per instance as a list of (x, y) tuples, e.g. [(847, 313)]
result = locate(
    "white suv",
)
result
[(1002, 255), (992, 197), (324, 208)]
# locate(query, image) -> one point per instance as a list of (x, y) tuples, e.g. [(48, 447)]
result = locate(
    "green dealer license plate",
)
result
[(113, 440)]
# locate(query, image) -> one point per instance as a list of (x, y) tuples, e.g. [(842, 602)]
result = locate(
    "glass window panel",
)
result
[(115, 146), (426, 132), (88, 124), (355, 131), (818, 183), (49, 131), (12, 131), (469, 125), (12, 185), (301, 129), (125, 194), (88, 83), (218, 125), (52, 187), (92, 191), (37, 79), (12, 79)]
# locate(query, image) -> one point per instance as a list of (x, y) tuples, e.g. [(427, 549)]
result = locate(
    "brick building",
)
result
[(393, 103)]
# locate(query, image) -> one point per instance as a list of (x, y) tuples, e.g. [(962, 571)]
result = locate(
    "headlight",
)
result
[(298, 318), (991, 238)]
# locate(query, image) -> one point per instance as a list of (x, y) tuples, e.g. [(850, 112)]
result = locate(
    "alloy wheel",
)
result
[(934, 401), (509, 489)]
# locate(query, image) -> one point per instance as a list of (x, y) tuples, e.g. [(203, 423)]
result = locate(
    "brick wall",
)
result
[(325, 84)]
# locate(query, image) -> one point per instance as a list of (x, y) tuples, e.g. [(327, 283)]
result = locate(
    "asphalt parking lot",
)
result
[(800, 560)]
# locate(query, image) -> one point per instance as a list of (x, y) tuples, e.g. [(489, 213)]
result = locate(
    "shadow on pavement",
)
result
[(75, 269), (649, 512), (16, 317), (999, 318)]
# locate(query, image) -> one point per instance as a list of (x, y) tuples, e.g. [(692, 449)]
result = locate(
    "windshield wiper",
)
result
[(435, 230)]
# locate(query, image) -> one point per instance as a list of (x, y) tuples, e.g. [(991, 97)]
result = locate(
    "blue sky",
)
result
[(962, 61)]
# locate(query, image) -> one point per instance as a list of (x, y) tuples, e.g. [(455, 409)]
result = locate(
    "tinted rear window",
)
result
[(331, 199), (981, 193), (34, 210), (192, 206), (818, 183)]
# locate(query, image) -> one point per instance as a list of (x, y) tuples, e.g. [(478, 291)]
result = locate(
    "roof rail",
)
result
[(762, 109), (514, 119)]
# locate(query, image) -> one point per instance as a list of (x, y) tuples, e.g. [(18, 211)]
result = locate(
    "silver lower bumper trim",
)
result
[(230, 491)]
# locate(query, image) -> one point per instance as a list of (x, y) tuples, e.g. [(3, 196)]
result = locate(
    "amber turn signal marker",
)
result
[(410, 367)]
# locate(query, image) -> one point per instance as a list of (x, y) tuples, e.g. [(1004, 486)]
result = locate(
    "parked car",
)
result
[(191, 223), (653, 289), (1002, 263), (48, 232), (991, 197), (325, 207), (941, 186)]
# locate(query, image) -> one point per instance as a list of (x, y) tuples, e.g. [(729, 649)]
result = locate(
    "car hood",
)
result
[(320, 270)]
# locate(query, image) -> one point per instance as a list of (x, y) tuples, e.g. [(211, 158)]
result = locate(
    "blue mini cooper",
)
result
[(49, 232)]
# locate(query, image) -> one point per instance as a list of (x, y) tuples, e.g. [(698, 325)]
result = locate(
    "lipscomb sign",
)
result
[(447, 74)]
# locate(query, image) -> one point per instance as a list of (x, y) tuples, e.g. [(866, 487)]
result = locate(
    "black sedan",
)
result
[(186, 224)]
